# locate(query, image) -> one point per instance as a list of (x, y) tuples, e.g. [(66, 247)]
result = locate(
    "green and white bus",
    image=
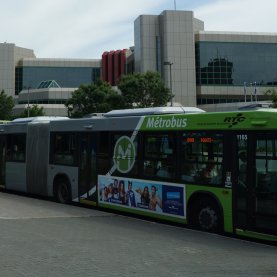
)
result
[(213, 171)]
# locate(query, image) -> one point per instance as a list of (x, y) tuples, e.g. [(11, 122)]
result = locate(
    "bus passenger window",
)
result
[(209, 173), (164, 169), (189, 171), (103, 145), (201, 158), (150, 168), (159, 156), (63, 148), (103, 153), (16, 149)]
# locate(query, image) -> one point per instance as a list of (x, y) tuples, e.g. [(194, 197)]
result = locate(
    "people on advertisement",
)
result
[(121, 192), (110, 193), (115, 189), (130, 195), (154, 199), (144, 197), (104, 194)]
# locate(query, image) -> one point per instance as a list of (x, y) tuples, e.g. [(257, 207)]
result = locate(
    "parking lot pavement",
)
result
[(43, 238), (22, 207)]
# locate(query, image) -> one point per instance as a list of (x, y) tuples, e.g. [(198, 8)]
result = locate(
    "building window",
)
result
[(232, 63)]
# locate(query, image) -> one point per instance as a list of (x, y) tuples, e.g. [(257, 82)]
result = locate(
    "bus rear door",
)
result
[(87, 168)]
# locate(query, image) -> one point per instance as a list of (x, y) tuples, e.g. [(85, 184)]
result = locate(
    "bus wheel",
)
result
[(206, 216), (62, 191)]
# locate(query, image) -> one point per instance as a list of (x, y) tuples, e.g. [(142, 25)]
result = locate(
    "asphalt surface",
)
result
[(43, 238)]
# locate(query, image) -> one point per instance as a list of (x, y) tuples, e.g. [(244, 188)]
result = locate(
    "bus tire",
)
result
[(206, 215), (62, 191)]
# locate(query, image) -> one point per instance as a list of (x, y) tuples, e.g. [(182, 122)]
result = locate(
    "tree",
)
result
[(144, 90), (6, 106), (94, 98), (34, 110), (272, 94)]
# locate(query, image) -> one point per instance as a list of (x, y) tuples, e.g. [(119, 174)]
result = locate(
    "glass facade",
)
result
[(69, 77), (158, 55), (18, 80), (233, 63)]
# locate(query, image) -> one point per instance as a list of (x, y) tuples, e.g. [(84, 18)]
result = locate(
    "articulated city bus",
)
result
[(214, 171)]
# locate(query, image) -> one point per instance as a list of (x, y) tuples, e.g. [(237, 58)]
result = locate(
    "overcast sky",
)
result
[(87, 28)]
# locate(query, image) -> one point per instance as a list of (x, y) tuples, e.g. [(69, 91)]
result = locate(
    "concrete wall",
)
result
[(169, 37), (10, 55)]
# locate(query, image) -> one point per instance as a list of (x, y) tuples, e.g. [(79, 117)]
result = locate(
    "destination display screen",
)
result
[(199, 139)]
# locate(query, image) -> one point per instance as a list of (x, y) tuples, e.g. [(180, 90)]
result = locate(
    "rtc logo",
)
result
[(124, 154), (232, 121)]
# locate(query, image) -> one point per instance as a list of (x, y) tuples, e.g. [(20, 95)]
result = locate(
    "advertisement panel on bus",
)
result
[(151, 196)]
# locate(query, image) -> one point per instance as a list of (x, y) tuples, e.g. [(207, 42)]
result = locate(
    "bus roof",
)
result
[(261, 119), (4, 121), (38, 119), (256, 106), (153, 111)]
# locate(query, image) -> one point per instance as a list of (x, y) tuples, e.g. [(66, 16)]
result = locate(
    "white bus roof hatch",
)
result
[(152, 111)]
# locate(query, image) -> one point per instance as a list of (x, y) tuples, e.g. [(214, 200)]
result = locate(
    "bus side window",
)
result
[(201, 157), (103, 153), (16, 148), (189, 170), (64, 148), (159, 156), (266, 166)]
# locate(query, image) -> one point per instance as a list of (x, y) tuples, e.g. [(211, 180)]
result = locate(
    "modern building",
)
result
[(234, 67), (22, 74), (10, 56), (48, 95), (68, 75), (205, 68), (211, 70), (166, 43)]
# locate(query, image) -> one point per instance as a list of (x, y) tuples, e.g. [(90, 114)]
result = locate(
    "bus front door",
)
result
[(256, 191), (240, 188), (87, 169), (2, 161)]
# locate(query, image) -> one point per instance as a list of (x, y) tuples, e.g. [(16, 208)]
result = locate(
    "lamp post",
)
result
[(244, 89), (251, 92), (28, 100), (170, 80), (254, 92)]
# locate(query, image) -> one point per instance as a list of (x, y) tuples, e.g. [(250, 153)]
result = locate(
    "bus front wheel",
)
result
[(206, 216), (62, 191)]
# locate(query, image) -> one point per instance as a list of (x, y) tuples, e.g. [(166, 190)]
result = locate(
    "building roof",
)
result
[(48, 84)]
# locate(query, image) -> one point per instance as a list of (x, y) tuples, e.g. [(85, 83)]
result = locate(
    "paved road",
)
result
[(43, 238)]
